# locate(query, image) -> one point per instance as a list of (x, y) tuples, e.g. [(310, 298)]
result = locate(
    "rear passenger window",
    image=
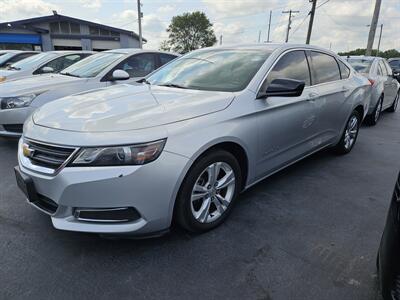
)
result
[(379, 70), (344, 70), (383, 68), (324, 68), (292, 65)]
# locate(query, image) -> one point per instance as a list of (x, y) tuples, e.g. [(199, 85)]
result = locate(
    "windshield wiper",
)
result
[(70, 74), (143, 80), (173, 85)]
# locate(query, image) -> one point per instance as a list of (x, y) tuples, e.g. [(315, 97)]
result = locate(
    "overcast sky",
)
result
[(339, 24)]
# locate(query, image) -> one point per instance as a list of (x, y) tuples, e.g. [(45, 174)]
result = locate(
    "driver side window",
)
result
[(60, 63), (138, 65), (292, 65)]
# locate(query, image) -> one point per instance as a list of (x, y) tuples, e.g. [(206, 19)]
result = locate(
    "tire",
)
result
[(393, 108), (191, 215), (373, 118), (343, 147)]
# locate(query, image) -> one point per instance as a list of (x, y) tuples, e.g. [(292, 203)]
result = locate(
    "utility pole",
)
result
[(379, 42), (310, 24), (372, 29), (259, 36), (269, 25), (290, 12), (220, 39), (140, 15)]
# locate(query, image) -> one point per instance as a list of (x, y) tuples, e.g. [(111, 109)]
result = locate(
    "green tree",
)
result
[(361, 51), (188, 32)]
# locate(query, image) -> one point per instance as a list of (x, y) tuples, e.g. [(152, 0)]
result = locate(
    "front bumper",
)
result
[(13, 117), (150, 189)]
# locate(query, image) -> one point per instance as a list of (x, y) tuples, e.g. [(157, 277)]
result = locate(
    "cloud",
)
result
[(166, 9), (239, 7), (93, 4), (17, 9)]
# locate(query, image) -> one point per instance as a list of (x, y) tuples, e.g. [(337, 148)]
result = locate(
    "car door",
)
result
[(137, 66), (286, 124), (390, 85), (333, 92)]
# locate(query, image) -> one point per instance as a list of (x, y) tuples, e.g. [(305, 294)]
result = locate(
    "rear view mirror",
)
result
[(282, 87), (47, 70), (119, 75)]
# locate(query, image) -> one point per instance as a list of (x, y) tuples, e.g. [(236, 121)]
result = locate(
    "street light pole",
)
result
[(310, 24), (379, 42), (372, 29)]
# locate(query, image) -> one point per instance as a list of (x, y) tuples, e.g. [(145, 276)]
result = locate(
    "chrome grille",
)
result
[(48, 156)]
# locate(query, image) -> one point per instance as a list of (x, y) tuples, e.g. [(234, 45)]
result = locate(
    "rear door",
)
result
[(333, 92), (286, 124), (390, 84)]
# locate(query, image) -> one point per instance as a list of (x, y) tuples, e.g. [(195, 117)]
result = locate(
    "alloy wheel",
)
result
[(351, 132), (212, 192)]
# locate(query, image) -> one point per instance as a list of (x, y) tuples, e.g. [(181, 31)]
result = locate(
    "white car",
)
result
[(45, 62), (385, 87), (9, 57), (20, 98)]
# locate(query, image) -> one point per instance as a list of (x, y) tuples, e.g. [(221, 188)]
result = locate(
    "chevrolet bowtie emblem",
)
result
[(28, 152)]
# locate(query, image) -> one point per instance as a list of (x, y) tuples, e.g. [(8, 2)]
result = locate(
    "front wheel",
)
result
[(350, 134), (393, 108), (208, 192)]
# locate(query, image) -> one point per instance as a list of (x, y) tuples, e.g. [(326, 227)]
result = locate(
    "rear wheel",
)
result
[(393, 108), (373, 118), (208, 192), (350, 134)]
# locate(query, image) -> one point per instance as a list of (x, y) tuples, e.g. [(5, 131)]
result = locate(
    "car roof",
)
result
[(138, 50), (69, 51), (363, 57)]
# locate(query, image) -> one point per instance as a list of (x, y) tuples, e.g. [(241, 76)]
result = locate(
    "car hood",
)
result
[(35, 83), (129, 107)]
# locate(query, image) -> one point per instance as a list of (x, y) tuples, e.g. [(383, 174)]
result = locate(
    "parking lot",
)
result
[(308, 232)]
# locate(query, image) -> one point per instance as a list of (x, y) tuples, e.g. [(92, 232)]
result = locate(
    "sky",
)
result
[(339, 24)]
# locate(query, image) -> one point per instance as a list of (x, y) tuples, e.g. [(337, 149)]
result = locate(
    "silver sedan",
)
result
[(183, 145), (385, 87)]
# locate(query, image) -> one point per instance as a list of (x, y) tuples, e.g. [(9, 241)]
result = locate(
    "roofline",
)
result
[(58, 17)]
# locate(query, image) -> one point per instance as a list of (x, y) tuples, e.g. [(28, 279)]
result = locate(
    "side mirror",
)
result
[(119, 75), (282, 87), (47, 70)]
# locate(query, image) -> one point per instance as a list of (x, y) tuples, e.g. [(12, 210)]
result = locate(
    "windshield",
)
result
[(33, 61), (360, 65), (395, 64), (92, 65), (226, 70), (5, 56)]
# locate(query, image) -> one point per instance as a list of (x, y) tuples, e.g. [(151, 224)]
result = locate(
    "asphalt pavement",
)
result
[(308, 232)]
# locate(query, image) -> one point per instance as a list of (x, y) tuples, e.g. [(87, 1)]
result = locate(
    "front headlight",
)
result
[(17, 102), (139, 154)]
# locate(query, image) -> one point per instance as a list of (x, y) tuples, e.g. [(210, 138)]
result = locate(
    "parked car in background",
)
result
[(388, 260), (45, 62), (395, 64), (20, 98), (12, 56), (385, 87), (129, 159)]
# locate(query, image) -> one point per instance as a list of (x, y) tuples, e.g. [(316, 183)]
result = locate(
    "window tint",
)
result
[(138, 65), (344, 70), (60, 63), (324, 68), (292, 65), (165, 58)]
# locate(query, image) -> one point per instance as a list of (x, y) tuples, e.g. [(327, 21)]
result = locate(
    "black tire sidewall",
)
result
[(183, 212)]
